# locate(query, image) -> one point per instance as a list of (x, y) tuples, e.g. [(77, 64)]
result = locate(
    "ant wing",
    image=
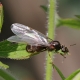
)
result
[(15, 39), (21, 40), (28, 35)]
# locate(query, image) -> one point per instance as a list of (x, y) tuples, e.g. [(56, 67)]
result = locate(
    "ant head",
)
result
[(64, 49)]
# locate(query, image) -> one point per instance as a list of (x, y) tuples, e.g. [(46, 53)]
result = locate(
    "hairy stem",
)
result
[(51, 32)]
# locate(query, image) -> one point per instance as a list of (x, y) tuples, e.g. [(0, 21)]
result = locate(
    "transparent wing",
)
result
[(21, 40), (28, 34), (15, 39)]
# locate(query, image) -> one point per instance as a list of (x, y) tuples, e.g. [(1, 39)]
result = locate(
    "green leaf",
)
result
[(13, 50), (4, 66), (1, 16), (6, 75), (74, 76), (59, 72), (73, 23), (78, 16), (44, 8)]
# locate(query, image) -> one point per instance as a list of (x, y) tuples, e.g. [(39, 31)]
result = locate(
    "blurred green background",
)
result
[(28, 12)]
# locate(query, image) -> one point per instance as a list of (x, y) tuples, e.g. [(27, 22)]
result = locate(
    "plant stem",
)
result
[(51, 31)]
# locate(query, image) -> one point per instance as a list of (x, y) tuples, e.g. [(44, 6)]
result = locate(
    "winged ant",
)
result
[(35, 40)]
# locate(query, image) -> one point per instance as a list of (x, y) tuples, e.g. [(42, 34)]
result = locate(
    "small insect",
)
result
[(35, 40)]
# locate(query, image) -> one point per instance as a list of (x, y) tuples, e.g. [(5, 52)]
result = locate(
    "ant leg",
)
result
[(43, 50), (29, 48), (61, 54)]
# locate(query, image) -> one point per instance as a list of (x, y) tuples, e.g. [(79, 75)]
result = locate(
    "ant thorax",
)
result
[(54, 45)]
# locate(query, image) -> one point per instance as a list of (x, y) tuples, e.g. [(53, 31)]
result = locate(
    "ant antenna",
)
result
[(72, 44)]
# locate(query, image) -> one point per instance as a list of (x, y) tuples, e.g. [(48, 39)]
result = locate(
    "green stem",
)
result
[(5, 75), (1, 16), (51, 31)]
